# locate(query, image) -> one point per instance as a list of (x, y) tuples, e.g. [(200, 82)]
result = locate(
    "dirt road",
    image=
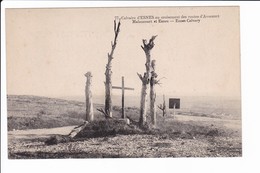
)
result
[(39, 133)]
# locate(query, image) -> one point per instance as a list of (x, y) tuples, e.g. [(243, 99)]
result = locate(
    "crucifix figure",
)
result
[(123, 88)]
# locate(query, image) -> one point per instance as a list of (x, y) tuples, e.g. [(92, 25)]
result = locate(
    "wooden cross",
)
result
[(123, 95)]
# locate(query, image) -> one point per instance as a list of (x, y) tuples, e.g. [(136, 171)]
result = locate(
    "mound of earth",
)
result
[(109, 127), (113, 127), (95, 129)]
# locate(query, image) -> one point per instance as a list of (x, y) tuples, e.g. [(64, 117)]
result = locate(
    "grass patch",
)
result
[(173, 128), (40, 122)]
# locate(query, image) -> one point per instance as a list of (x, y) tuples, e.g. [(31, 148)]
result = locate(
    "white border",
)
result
[(250, 48)]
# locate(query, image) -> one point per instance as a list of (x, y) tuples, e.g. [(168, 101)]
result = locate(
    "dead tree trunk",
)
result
[(108, 73), (143, 103), (163, 106), (147, 47), (88, 93), (153, 82)]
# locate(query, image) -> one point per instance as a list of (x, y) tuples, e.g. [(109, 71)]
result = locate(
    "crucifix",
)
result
[(123, 88)]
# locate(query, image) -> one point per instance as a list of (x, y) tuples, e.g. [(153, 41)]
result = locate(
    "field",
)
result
[(197, 133)]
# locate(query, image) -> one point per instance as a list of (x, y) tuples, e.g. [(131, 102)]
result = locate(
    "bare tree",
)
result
[(108, 83), (147, 47), (163, 107), (88, 93)]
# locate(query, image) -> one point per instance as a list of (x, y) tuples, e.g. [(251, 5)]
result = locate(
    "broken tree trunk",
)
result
[(143, 109), (56, 139), (153, 82), (147, 47), (163, 107), (108, 73), (88, 94), (77, 129)]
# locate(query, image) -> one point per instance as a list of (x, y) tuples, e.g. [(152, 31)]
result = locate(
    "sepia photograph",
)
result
[(125, 82)]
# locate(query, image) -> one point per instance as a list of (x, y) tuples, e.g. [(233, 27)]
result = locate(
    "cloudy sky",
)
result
[(50, 50)]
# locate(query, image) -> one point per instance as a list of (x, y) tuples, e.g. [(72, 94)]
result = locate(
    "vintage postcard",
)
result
[(139, 82)]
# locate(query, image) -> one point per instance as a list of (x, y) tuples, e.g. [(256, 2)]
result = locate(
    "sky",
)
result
[(50, 50)]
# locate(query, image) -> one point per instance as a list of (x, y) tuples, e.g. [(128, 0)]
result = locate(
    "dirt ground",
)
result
[(24, 144)]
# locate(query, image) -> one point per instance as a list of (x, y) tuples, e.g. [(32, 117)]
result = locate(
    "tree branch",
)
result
[(103, 112), (144, 42), (140, 76), (160, 107), (152, 39), (148, 46), (115, 26), (159, 81), (116, 29), (113, 44)]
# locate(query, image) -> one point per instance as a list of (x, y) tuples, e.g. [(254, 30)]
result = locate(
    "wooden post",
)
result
[(174, 109), (88, 94), (123, 97)]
